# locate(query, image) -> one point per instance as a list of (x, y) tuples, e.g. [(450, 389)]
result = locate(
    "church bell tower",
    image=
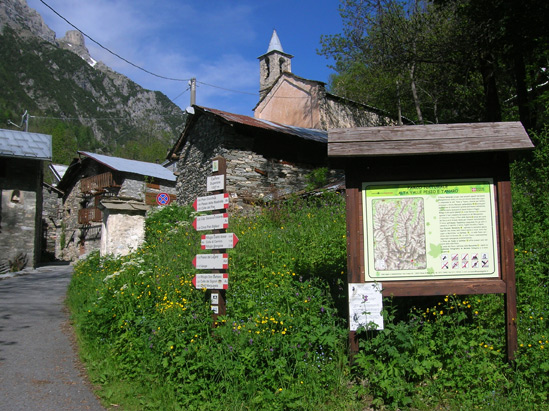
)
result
[(272, 64)]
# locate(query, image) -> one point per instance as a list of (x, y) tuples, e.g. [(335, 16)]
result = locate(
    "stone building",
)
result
[(264, 159), (22, 157), (272, 153), (292, 100), (104, 203)]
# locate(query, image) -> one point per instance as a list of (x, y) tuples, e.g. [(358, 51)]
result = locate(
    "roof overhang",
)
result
[(428, 139)]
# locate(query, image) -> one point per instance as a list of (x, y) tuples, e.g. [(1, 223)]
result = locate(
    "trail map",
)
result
[(429, 230)]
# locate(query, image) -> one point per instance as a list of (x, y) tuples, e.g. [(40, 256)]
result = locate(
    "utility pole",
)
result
[(192, 83), (24, 120)]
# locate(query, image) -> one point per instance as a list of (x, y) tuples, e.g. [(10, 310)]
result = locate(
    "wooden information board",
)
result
[(440, 195)]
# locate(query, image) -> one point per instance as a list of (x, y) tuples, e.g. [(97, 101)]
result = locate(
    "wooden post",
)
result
[(353, 249), (508, 266), (221, 170)]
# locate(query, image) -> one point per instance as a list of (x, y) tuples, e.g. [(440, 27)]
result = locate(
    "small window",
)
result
[(16, 196)]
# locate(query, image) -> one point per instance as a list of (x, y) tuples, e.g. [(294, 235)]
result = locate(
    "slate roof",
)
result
[(305, 133), (23, 144), (131, 166), (319, 136)]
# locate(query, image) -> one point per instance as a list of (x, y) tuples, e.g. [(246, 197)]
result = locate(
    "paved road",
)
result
[(38, 364)]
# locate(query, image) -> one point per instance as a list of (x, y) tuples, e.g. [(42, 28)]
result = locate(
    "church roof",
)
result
[(275, 44)]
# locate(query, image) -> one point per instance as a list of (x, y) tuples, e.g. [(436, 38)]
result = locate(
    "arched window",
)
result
[(16, 196)]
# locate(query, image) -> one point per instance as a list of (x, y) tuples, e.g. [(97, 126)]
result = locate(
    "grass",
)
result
[(148, 338)]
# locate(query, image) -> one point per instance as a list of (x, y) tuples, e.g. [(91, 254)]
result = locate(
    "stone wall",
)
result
[(122, 231), (251, 176), (21, 211), (51, 222), (194, 163), (74, 239), (337, 113)]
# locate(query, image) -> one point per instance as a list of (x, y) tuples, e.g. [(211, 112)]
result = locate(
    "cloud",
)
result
[(172, 38)]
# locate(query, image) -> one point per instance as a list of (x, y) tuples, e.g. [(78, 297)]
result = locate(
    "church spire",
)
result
[(272, 64), (275, 44)]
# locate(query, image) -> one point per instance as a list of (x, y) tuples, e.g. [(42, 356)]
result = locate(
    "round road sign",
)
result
[(163, 199)]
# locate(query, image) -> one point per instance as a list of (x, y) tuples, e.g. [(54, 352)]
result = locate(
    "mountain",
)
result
[(84, 104)]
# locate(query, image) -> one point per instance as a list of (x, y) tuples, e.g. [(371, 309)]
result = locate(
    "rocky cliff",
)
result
[(58, 79)]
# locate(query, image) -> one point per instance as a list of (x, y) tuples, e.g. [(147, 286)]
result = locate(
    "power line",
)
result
[(180, 94), (110, 51), (78, 118), (150, 72), (227, 89)]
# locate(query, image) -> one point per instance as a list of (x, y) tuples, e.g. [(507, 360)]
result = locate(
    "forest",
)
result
[(444, 61)]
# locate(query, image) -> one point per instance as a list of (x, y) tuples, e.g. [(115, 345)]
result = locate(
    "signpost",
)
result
[(215, 183), (213, 202), (211, 222), (211, 261), (219, 241), (211, 281)]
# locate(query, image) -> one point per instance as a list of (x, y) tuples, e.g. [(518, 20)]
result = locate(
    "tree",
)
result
[(403, 42), (445, 60)]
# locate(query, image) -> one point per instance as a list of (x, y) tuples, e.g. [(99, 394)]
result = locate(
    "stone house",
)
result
[(104, 203), (22, 158), (264, 159), (272, 153), (293, 100)]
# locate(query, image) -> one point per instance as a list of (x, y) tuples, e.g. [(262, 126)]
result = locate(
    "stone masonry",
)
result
[(251, 176)]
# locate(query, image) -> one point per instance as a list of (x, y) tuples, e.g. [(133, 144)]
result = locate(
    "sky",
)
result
[(215, 41)]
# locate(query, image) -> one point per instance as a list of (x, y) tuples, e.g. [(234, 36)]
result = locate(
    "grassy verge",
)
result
[(147, 337)]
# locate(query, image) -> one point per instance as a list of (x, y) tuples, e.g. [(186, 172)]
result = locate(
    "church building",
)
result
[(296, 101)]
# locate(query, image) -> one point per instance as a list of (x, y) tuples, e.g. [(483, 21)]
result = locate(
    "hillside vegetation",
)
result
[(82, 107), (147, 336)]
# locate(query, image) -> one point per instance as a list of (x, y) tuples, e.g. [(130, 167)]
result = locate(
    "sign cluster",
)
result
[(219, 241)]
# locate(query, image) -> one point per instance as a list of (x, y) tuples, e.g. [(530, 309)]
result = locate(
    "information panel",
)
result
[(430, 230)]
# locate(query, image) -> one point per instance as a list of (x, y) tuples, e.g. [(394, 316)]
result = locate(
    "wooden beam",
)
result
[(443, 287), (430, 139)]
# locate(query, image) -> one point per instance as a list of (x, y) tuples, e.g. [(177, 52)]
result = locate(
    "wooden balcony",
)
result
[(98, 183), (89, 215)]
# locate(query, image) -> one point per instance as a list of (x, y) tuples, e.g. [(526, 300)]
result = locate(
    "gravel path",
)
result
[(39, 369)]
